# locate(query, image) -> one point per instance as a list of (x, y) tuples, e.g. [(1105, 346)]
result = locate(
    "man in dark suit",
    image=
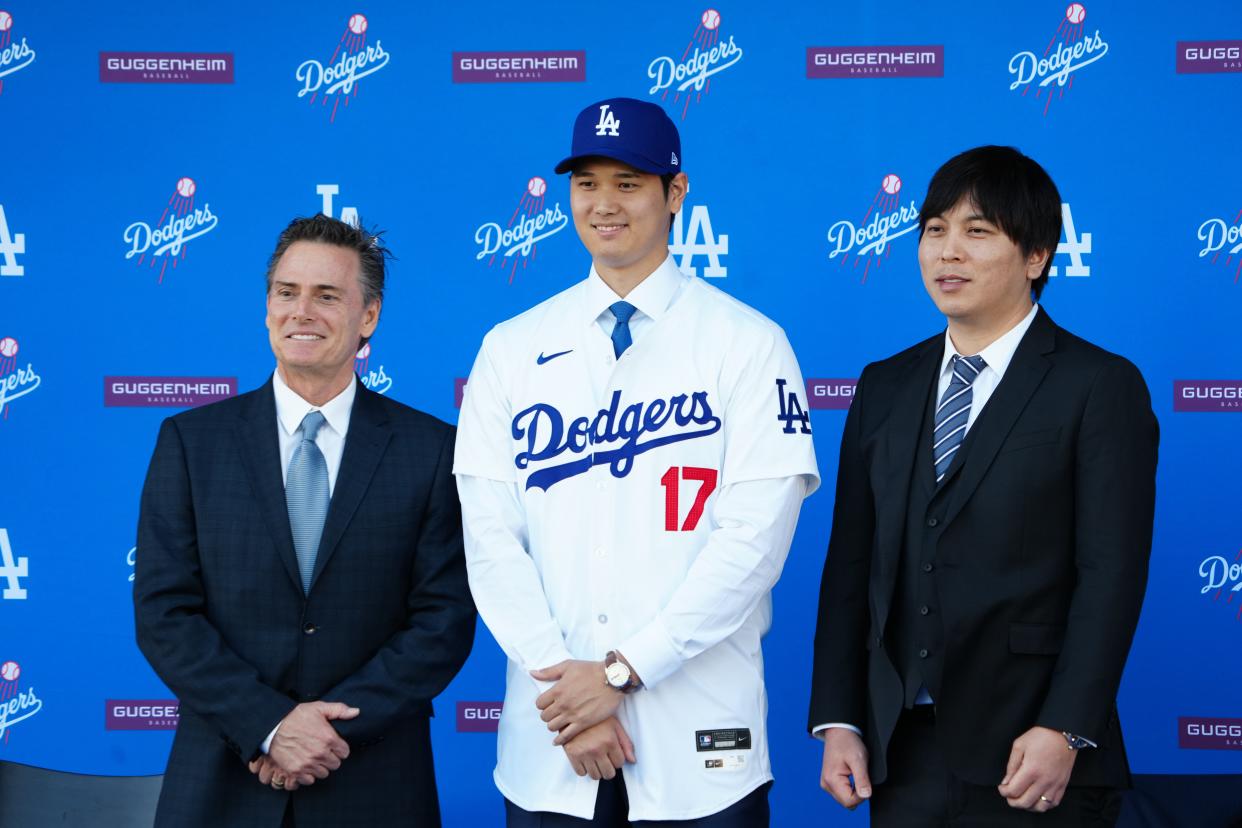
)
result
[(990, 538), (300, 582)]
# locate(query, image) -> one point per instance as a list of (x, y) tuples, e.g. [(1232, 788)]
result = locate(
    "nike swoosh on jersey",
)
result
[(541, 359)]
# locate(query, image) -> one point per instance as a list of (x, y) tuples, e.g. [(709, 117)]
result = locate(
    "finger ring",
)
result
[(1045, 799), (278, 784)]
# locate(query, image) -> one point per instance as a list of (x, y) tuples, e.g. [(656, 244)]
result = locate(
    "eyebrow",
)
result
[(278, 283)]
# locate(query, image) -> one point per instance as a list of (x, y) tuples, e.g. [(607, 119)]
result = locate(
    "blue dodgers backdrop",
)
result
[(150, 153)]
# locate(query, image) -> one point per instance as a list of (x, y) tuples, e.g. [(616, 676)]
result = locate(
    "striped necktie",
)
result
[(307, 496), (953, 413)]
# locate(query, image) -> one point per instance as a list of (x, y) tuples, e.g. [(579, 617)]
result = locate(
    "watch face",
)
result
[(618, 674)]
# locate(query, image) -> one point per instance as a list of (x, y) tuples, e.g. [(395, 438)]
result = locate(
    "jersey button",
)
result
[(601, 553), (603, 619)]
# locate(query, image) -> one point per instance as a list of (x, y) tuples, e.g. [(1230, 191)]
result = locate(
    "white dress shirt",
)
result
[(567, 541), (998, 355)]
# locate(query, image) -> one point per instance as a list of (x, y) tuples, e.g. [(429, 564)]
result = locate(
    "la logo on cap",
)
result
[(608, 123)]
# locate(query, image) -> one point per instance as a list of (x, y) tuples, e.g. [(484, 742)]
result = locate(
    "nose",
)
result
[(951, 248), (303, 307)]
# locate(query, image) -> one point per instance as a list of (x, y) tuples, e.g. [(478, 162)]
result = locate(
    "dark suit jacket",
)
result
[(222, 617), (1040, 554)]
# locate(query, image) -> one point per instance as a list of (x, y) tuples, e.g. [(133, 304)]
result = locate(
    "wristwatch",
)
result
[(618, 674), (1073, 742)]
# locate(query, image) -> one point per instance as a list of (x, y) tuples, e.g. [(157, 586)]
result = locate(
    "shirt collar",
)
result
[(1000, 353), (652, 296), (291, 408)]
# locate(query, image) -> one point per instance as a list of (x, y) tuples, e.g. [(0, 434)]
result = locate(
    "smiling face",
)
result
[(976, 275), (316, 317), (622, 217)]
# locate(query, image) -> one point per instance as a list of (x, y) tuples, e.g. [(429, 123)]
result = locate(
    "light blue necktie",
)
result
[(306, 495), (621, 331), (953, 413)]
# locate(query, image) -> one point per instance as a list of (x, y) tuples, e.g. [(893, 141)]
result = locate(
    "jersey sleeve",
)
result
[(767, 423), (483, 441)]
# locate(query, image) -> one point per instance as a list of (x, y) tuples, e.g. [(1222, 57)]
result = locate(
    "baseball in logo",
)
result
[(373, 378), (690, 75), (16, 704), (531, 222), (1069, 50), (886, 219), (16, 380), (15, 55), (1219, 236), (353, 59), (180, 223)]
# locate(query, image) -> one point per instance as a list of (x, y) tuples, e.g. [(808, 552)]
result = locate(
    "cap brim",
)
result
[(638, 162)]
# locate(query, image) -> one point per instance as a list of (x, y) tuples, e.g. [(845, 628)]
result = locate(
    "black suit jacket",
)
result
[(222, 617), (1040, 554)]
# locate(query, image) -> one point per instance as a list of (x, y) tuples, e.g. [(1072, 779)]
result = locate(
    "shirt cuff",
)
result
[(818, 730), (652, 655), (266, 747)]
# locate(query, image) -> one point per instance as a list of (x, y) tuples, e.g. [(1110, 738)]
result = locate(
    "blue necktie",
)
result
[(621, 331), (953, 413), (306, 495)]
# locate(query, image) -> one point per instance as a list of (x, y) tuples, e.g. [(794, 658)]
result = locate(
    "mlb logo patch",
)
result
[(705, 740)]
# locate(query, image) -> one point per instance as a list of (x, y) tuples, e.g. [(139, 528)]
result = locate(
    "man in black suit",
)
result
[(990, 538), (300, 582)]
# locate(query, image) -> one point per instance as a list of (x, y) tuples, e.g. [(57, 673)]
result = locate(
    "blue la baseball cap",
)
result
[(638, 133)]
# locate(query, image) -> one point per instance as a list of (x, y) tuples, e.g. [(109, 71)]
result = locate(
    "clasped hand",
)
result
[(306, 746)]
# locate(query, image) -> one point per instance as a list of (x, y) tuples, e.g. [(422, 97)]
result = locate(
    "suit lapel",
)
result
[(903, 453), (369, 433), (261, 457), (1025, 372)]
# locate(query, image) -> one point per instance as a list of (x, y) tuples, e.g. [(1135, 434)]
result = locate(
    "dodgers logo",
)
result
[(1220, 236), (373, 378), (11, 245), (1075, 245), (698, 240), (12, 570), (15, 381), (15, 55), (326, 192), (886, 219), (791, 410), (1223, 577), (180, 223), (351, 61), (546, 436), (704, 56), (16, 704), (530, 223), (1069, 50)]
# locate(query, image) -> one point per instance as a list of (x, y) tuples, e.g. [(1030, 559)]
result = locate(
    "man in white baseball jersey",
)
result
[(631, 460)]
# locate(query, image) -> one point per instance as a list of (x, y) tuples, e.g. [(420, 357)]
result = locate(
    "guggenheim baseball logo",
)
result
[(705, 56), (166, 392), (1208, 396), (15, 381), (830, 394), (15, 55), (126, 714), (1218, 236), (165, 67), (519, 67), (353, 59), (1069, 50), (874, 62), (886, 219), (1196, 57), (478, 716), (1203, 733), (532, 221), (16, 705), (180, 223)]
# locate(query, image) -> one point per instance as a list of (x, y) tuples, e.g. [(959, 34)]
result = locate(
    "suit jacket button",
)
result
[(932, 522), (922, 653), (310, 629), (927, 567), (923, 610)]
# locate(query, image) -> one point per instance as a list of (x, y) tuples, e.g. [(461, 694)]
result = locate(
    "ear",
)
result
[(370, 318), (1035, 263), (677, 190)]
